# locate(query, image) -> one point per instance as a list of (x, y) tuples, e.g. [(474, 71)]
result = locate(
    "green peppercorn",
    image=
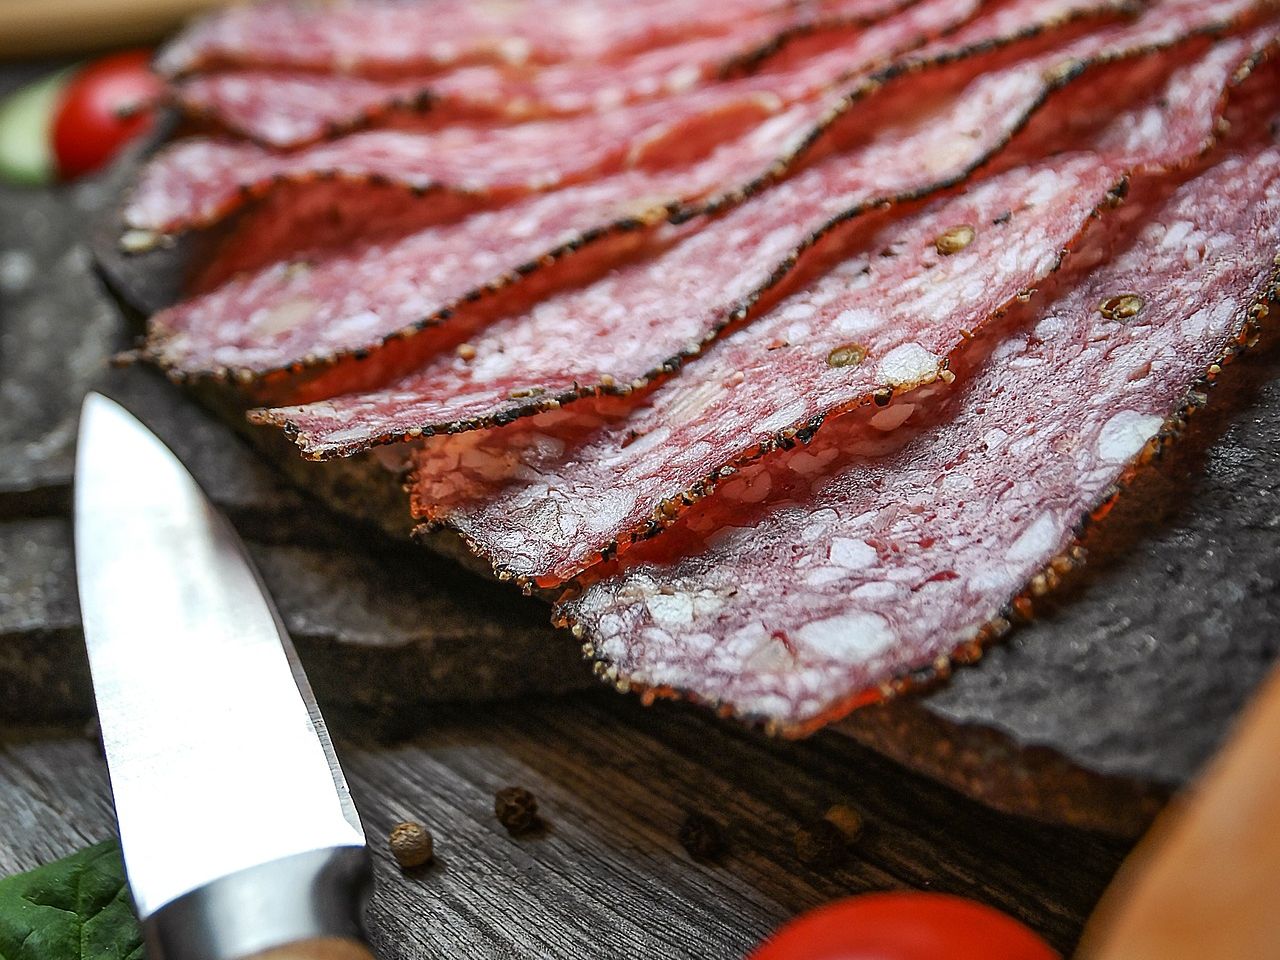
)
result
[(847, 355), (954, 239), (1124, 306)]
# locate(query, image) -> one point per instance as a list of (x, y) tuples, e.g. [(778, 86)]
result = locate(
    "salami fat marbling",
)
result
[(649, 316), (290, 108), (816, 581)]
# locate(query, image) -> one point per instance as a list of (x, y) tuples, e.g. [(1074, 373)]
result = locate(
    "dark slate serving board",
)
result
[(1136, 670), (1090, 715), (362, 608)]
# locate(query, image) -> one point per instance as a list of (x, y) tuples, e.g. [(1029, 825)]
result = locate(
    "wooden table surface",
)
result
[(608, 877)]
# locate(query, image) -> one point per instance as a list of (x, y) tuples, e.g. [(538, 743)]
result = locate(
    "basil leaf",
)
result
[(76, 908)]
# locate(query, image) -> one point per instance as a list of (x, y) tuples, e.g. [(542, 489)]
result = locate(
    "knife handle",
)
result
[(318, 948), (307, 906)]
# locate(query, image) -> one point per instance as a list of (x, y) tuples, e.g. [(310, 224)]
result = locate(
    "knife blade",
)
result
[(238, 830)]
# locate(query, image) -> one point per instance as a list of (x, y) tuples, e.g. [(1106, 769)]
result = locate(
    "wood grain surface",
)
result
[(607, 876)]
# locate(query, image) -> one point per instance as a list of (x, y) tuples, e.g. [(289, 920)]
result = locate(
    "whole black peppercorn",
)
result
[(821, 845), (411, 844), (701, 836), (516, 809)]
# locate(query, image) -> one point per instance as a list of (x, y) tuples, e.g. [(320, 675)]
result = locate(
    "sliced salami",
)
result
[(376, 293), (312, 307), (649, 316), (389, 37), (287, 109), (889, 318), (198, 181), (817, 580)]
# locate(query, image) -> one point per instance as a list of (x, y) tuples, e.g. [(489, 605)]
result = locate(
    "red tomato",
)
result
[(106, 104), (904, 926)]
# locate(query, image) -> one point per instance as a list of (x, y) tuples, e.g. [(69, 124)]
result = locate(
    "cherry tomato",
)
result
[(904, 926), (106, 104)]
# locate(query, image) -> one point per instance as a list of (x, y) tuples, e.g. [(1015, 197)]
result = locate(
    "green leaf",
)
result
[(76, 908)]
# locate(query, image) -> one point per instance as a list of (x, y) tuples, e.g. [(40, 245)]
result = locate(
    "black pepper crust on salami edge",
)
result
[(909, 65), (246, 193), (423, 102), (538, 401), (672, 507), (204, 119), (625, 232), (666, 513), (763, 295), (1066, 73), (1020, 608), (751, 60), (278, 380), (1232, 333)]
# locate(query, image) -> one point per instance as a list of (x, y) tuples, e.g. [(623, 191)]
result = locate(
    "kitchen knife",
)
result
[(239, 835)]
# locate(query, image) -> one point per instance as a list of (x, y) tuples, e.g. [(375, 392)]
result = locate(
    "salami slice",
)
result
[(286, 109), (376, 293), (648, 317), (198, 181), (312, 307), (816, 581), (890, 317), (387, 37)]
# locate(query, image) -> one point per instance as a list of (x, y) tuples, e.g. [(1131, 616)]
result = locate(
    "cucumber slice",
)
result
[(26, 148)]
